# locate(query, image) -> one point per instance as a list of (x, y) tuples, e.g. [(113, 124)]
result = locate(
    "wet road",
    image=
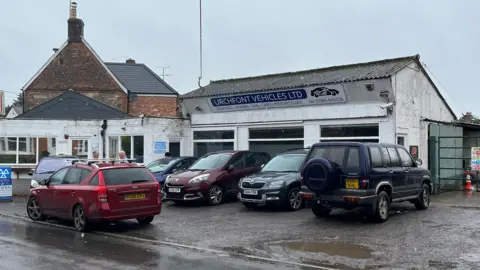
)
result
[(444, 237), (31, 246)]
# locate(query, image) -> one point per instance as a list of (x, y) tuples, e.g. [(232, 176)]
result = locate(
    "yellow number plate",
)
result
[(351, 183), (135, 196)]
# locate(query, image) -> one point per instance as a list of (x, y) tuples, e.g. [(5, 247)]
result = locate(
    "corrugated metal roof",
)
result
[(322, 76), (140, 79), (73, 106)]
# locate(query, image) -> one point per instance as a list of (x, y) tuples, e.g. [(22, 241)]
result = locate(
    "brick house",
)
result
[(129, 87)]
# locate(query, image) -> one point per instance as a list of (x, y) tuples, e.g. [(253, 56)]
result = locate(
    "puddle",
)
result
[(333, 249)]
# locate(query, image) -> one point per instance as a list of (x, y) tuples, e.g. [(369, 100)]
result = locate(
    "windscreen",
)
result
[(126, 176), (284, 163), (160, 165), (339, 155), (51, 165), (210, 162)]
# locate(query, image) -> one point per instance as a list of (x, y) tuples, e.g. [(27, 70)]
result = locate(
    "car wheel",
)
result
[(80, 219), (215, 195), (250, 205), (145, 220), (320, 210), (423, 201), (382, 207), (33, 210), (293, 201)]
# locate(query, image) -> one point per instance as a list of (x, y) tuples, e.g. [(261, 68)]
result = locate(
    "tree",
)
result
[(468, 117), (18, 101)]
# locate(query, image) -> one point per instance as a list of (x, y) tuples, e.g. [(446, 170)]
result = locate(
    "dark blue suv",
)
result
[(349, 175)]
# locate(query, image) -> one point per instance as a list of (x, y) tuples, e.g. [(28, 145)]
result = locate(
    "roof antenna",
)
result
[(201, 48)]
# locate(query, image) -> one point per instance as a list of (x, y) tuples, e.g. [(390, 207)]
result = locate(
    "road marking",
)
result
[(171, 244)]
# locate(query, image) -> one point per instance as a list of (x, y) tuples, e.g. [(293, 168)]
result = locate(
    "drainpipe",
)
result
[(103, 133)]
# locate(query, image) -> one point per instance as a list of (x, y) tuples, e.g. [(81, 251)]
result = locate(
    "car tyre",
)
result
[(423, 201), (250, 205), (293, 202), (320, 210), (382, 207), (215, 195), (33, 210), (80, 220), (145, 220)]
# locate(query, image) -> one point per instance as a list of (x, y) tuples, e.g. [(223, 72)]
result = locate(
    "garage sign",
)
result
[(317, 95)]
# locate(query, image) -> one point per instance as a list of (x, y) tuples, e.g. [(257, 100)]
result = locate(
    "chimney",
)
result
[(130, 61), (55, 50), (468, 117), (75, 25)]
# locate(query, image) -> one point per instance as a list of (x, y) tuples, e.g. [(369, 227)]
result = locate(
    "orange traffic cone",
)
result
[(468, 182)]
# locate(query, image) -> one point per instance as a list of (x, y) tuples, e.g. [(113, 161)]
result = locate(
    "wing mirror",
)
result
[(230, 168), (43, 182), (31, 172), (419, 162), (174, 170)]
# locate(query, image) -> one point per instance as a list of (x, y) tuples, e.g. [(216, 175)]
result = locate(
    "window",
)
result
[(275, 140), (80, 148), (57, 178), (375, 157), (213, 161), (255, 159), (74, 177), (126, 176), (28, 150), (344, 156), (356, 133), (284, 163), (401, 140), (94, 181), (386, 158), (132, 145), (407, 161), (238, 161), (211, 141), (182, 165), (85, 173), (394, 159)]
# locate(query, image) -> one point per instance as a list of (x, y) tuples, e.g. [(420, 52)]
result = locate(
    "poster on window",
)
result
[(6, 184), (475, 165)]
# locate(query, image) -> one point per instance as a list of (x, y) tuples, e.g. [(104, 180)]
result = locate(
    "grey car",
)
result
[(47, 166)]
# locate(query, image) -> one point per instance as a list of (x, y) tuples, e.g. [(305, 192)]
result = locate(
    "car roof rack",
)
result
[(92, 162)]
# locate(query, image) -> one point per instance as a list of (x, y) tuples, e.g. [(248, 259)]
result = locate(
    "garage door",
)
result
[(275, 140)]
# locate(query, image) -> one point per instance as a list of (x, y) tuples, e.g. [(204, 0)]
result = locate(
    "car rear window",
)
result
[(126, 176), (342, 156)]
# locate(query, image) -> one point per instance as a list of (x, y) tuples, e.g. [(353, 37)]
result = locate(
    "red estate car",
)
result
[(92, 192)]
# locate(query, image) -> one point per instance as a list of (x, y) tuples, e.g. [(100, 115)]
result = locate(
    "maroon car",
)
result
[(214, 176)]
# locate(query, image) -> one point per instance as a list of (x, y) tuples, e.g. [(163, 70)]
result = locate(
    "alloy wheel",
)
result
[(79, 218), (426, 197), (295, 200), (216, 194), (34, 209), (383, 207)]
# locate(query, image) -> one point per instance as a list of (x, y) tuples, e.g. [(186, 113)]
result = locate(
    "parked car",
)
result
[(47, 166), (97, 192), (214, 176), (367, 175), (278, 182)]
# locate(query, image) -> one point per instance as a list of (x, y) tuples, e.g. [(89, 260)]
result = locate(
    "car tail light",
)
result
[(364, 183), (102, 194)]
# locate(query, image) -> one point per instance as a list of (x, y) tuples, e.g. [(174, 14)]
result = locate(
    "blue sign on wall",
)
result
[(313, 95), (160, 147), (6, 191)]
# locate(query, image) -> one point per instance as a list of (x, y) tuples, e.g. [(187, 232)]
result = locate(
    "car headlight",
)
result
[(241, 181), (168, 178), (198, 179), (34, 184), (275, 184)]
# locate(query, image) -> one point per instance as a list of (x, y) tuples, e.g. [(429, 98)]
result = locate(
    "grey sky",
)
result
[(250, 37)]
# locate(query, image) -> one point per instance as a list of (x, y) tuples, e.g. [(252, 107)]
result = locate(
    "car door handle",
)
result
[(73, 193), (391, 171)]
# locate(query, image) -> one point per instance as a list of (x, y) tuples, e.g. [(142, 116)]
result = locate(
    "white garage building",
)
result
[(380, 101)]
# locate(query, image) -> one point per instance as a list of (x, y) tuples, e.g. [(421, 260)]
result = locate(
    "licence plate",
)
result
[(250, 192), (135, 196), (351, 183), (174, 190)]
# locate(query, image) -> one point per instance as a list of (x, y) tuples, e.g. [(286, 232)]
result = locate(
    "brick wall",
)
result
[(75, 68), (154, 106)]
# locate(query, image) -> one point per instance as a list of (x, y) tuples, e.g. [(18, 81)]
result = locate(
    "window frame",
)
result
[(398, 157), (118, 143), (67, 169)]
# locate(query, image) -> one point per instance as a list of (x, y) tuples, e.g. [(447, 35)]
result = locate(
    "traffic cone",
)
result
[(468, 182)]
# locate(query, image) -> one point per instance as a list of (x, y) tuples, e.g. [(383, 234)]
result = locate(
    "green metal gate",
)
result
[(449, 158)]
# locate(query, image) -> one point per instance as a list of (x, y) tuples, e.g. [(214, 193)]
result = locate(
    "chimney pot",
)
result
[(55, 50), (73, 10), (130, 61)]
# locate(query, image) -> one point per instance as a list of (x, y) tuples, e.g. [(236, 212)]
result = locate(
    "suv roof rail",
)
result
[(92, 162)]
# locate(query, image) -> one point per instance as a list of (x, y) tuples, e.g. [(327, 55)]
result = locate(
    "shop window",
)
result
[(202, 148), (276, 140), (359, 133), (214, 135), (22, 150), (276, 133), (133, 146)]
